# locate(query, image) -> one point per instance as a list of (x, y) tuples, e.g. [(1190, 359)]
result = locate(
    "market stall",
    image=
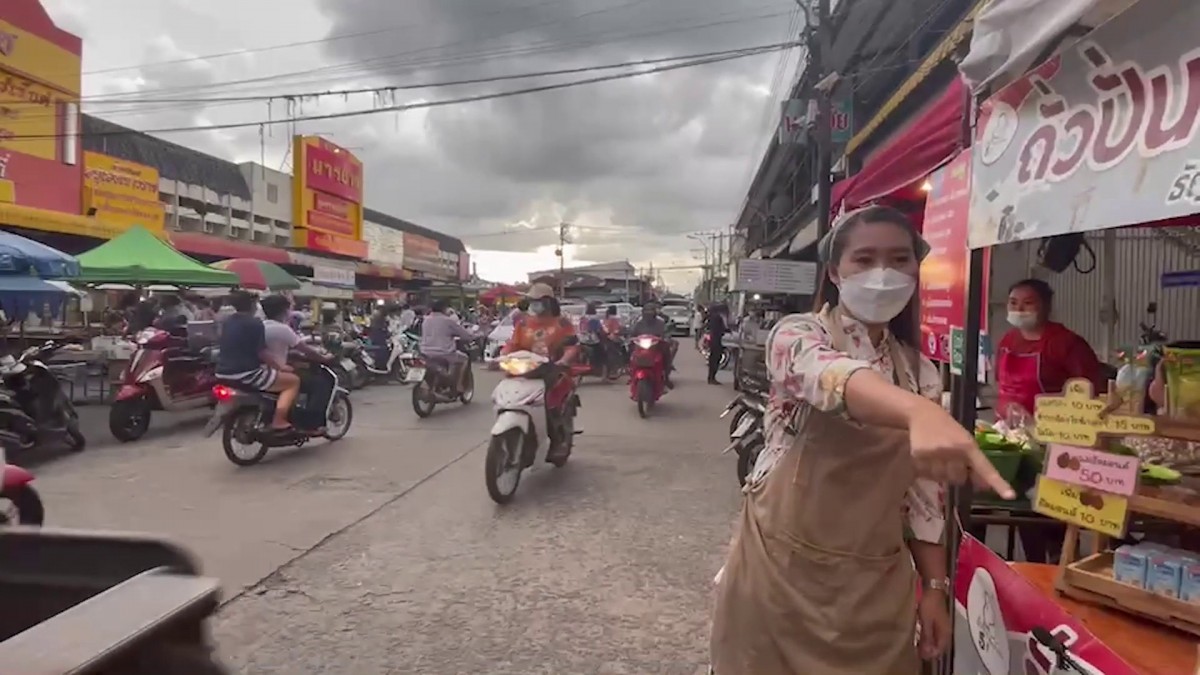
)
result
[(138, 257), (1097, 137), (259, 275)]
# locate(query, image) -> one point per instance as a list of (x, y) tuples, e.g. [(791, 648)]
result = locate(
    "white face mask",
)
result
[(1022, 320), (877, 295)]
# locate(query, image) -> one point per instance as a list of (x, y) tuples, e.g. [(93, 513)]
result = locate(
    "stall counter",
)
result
[(1153, 649)]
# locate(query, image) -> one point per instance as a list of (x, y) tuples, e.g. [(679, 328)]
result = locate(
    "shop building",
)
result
[(41, 163)]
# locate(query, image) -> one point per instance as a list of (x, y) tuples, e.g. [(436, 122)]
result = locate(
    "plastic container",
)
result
[(1181, 365)]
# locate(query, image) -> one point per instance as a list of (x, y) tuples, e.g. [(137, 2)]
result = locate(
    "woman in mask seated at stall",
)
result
[(842, 515), (1036, 357)]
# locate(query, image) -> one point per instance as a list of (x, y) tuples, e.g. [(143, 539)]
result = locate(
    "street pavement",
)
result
[(383, 553)]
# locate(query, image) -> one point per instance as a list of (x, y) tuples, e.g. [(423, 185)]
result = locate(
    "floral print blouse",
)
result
[(804, 367)]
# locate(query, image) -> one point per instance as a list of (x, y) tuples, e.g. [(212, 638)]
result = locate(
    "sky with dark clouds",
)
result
[(634, 164)]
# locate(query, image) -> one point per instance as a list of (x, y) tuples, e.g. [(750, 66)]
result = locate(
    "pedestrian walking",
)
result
[(717, 326)]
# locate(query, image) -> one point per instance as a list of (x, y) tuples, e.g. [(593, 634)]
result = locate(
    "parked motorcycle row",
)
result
[(747, 435)]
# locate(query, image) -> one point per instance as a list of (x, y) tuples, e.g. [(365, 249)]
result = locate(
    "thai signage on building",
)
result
[(384, 244), (40, 71), (464, 266), (422, 254), (333, 276), (122, 193), (328, 198), (1102, 135)]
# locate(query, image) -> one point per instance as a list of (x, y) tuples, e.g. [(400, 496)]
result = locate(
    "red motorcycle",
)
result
[(164, 373), (647, 372), (24, 506)]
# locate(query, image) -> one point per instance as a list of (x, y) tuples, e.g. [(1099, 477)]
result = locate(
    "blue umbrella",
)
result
[(20, 295), (22, 256)]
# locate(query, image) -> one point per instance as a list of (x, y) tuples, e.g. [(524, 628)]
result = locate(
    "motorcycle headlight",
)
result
[(517, 367), (645, 343)]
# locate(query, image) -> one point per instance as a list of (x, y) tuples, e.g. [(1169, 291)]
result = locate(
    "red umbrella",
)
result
[(495, 293), (259, 275)]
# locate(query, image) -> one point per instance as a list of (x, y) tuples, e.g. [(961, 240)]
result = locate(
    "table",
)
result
[(1149, 647)]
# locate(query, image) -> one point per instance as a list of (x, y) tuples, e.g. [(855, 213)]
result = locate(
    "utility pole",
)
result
[(821, 51), (562, 259)]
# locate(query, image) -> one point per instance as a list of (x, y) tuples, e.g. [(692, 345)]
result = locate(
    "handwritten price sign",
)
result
[(1101, 512), (1116, 474), (1075, 418)]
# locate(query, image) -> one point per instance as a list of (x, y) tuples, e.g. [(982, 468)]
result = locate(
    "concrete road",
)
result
[(383, 554)]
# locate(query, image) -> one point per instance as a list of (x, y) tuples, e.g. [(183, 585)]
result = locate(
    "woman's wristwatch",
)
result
[(942, 585)]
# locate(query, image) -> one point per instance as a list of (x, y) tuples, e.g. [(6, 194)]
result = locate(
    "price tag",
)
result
[(1102, 512), (1075, 418), (1116, 474)]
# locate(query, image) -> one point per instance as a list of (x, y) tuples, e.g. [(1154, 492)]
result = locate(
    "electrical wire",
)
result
[(423, 104)]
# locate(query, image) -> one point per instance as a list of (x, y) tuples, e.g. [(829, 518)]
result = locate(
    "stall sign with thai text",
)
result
[(1102, 135)]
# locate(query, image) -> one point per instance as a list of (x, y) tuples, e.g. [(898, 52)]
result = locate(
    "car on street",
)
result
[(680, 317)]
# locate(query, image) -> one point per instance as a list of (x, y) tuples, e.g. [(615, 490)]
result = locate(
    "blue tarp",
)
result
[(20, 295), (24, 257)]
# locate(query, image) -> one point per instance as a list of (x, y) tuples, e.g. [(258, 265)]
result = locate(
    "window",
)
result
[(272, 193)]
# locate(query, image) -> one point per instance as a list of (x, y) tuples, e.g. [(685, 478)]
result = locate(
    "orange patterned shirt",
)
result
[(542, 335)]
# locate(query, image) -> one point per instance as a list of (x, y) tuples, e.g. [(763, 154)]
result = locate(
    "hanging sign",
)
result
[(1075, 418), (1115, 474), (1098, 511), (1102, 135)]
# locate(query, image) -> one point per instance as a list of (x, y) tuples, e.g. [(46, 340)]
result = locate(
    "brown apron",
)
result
[(819, 580)]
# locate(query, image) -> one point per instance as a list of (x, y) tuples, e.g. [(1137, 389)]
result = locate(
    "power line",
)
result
[(424, 104)]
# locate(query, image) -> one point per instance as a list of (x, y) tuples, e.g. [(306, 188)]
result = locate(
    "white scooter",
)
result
[(531, 420), (401, 355)]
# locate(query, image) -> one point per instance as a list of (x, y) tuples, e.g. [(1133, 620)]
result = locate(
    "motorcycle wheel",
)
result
[(468, 392), (242, 426), (422, 399), (128, 420), (747, 458), (360, 376), (341, 413), (737, 419), (567, 429), (28, 506), (645, 398), (502, 468), (724, 359), (399, 370)]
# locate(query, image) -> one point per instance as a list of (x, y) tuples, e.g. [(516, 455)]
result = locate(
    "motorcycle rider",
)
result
[(281, 339), (652, 323), (245, 358), (438, 333), (591, 333), (379, 332)]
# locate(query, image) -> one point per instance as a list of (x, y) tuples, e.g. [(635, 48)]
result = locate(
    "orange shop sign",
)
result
[(329, 243), (32, 47)]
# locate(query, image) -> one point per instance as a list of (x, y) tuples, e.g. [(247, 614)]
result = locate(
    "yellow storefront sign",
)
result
[(55, 221), (39, 58), (123, 193), (1099, 511), (30, 117)]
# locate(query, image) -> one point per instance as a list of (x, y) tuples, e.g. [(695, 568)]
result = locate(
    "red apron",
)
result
[(1018, 380)]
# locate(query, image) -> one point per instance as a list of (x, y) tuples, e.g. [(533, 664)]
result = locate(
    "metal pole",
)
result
[(562, 260), (824, 120)]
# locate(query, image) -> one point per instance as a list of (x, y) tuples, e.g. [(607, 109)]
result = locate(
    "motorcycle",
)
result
[(39, 394), (344, 348), (746, 433), (434, 385), (705, 343), (19, 501), (245, 414), (402, 350), (598, 361), (162, 374), (535, 408), (647, 372)]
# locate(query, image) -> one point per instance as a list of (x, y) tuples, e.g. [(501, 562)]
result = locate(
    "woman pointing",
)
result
[(846, 499)]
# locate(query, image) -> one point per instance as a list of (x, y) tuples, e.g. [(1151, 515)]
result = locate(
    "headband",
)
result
[(825, 246)]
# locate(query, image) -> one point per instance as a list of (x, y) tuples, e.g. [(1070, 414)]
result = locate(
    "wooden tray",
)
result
[(1090, 579)]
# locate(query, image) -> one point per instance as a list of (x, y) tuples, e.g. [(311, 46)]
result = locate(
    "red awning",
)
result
[(203, 244), (905, 162), (391, 295)]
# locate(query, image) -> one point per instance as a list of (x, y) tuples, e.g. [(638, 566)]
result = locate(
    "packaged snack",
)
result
[(1130, 565), (1165, 576), (1190, 589), (1181, 365)]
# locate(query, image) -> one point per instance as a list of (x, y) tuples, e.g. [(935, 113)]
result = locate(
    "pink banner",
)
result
[(996, 612)]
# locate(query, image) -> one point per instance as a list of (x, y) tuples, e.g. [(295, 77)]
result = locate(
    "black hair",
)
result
[(171, 300), (439, 306), (275, 306), (611, 311), (1041, 289), (242, 301), (905, 325), (523, 304)]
